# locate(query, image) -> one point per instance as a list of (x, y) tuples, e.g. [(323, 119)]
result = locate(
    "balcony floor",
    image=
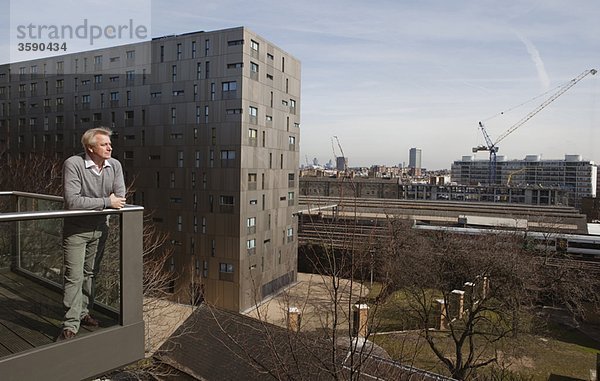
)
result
[(31, 314)]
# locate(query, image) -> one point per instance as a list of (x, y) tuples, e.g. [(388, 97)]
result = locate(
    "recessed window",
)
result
[(229, 86)]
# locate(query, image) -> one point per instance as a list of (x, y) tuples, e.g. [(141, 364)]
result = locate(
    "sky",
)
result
[(382, 76)]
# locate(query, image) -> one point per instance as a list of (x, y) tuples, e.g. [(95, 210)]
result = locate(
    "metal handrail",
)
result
[(32, 195), (22, 216)]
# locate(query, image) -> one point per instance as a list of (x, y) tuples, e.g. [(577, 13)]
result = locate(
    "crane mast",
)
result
[(492, 146)]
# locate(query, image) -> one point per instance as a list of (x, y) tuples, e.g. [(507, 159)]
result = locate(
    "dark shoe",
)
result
[(65, 334), (89, 321)]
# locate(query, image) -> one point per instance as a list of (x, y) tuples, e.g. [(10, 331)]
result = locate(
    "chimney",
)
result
[(483, 287), (360, 326), (457, 301), (441, 318), (469, 288), (294, 319)]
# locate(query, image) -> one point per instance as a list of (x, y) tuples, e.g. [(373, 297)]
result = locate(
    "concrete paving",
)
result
[(319, 298)]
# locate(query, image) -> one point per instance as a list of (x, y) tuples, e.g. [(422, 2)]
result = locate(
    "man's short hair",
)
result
[(88, 139)]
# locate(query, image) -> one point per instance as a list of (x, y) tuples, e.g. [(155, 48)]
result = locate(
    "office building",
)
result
[(573, 174), (341, 163), (207, 128), (414, 161)]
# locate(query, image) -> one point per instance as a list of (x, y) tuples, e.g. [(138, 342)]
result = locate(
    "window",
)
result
[(291, 181), (290, 234), (174, 73), (251, 246), (114, 96), (179, 52), (85, 99), (232, 111), (193, 49), (180, 159), (97, 60), (254, 45), (212, 91), (229, 86), (252, 134), (206, 46), (251, 181), (226, 267), (253, 67), (236, 65), (177, 93), (270, 56), (226, 200), (60, 84), (290, 197), (292, 143), (227, 155), (251, 225), (235, 42), (129, 75), (253, 111), (227, 158), (179, 223), (173, 115), (130, 54), (199, 70), (226, 204), (98, 78), (205, 114), (197, 159)]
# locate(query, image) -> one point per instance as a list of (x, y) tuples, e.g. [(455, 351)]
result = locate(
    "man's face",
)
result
[(102, 149)]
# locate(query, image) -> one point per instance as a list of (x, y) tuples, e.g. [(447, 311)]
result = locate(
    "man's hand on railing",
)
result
[(116, 202)]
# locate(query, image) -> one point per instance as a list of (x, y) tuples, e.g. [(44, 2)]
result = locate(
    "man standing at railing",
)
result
[(92, 180)]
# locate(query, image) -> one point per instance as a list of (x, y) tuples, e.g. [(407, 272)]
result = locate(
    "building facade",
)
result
[(207, 127), (393, 189), (573, 174)]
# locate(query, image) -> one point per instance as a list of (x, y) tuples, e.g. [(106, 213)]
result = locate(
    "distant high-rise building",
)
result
[(414, 161), (341, 163), (208, 125)]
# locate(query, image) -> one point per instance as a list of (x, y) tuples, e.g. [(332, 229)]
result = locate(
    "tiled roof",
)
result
[(218, 345)]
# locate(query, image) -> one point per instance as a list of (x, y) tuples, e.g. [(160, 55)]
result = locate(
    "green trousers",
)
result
[(83, 250)]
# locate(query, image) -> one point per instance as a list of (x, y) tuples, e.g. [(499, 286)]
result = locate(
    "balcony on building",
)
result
[(31, 278)]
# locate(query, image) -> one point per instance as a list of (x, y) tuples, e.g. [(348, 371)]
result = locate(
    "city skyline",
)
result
[(385, 78)]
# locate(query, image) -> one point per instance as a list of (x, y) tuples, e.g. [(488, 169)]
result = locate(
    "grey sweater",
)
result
[(84, 189)]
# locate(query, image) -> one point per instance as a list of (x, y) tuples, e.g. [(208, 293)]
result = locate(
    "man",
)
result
[(92, 180)]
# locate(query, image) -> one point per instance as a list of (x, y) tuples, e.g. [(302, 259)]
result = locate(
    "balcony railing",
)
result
[(31, 274)]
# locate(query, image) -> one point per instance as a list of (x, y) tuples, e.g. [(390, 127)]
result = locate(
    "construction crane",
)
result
[(492, 146)]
